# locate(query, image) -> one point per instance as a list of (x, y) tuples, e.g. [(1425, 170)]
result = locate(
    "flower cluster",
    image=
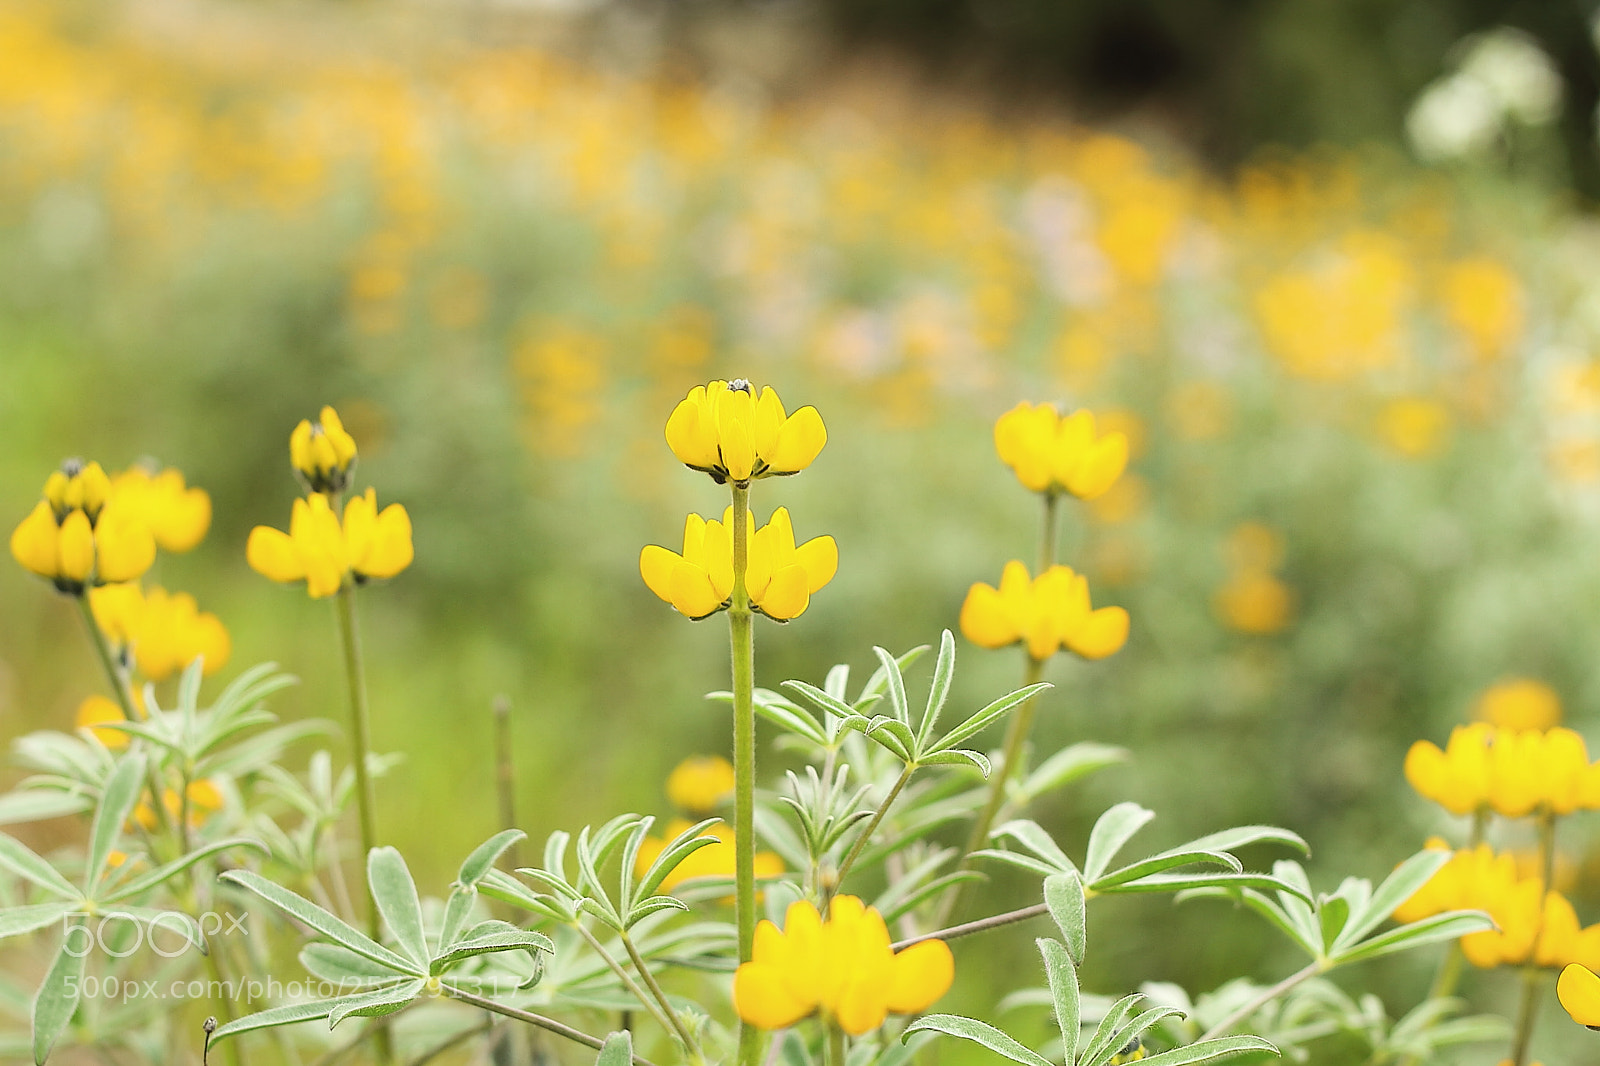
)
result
[(322, 453), (79, 536), (780, 576), (1053, 453), (725, 431), (1512, 772), (325, 553), (157, 631), (1046, 614), (843, 968)]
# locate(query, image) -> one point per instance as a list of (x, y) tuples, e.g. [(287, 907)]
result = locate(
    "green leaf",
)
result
[(1063, 979), (57, 999), (334, 962), (276, 1016), (897, 686), (14, 921), (1398, 887), (944, 671), (457, 908), (958, 757), (1113, 829), (980, 1033), (374, 1004), (485, 855), (16, 857), (790, 718), (822, 699), (261, 750), (396, 895), (116, 803), (1068, 765), (1167, 860), (1446, 926), (1206, 1050), (646, 907), (1135, 1029), (155, 919), (507, 889), (319, 920), (37, 804), (160, 874), (617, 1050), (678, 849), (1063, 894), (506, 939), (1033, 837), (895, 735), (1104, 1042), (1332, 914), (1228, 883), (1239, 836), (989, 715), (910, 901)]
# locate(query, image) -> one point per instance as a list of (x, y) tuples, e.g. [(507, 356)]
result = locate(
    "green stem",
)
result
[(350, 637), (834, 1055), (1267, 996), (119, 682), (861, 841), (627, 982), (742, 637), (1047, 532), (661, 998), (981, 925), (547, 1024), (1532, 978)]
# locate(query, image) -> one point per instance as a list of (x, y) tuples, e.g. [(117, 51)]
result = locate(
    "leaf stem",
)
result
[(547, 1024), (622, 974), (1287, 984), (661, 998), (981, 925), (866, 834), (119, 681)]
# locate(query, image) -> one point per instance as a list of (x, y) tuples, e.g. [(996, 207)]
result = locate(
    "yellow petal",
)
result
[(33, 542), (984, 619), (692, 593), (769, 419), (862, 1007), (800, 439), (760, 562), (921, 974), (124, 547), (343, 444), (94, 712), (300, 456), (1103, 634), (1100, 467), (656, 565), (390, 550), (735, 433), (786, 596), (762, 997), (719, 558), (690, 435), (819, 558), (271, 553), (211, 640), (75, 548), (1579, 991)]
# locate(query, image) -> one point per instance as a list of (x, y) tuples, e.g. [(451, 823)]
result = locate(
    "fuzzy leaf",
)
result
[(1063, 979), (330, 926), (56, 1000), (1111, 831), (1063, 894), (485, 855), (980, 1033)]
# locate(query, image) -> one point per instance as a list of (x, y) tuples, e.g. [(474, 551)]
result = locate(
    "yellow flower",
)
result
[(700, 783), (1457, 777), (1047, 613), (1515, 772), (1052, 453), (1578, 989), (205, 799), (1254, 601), (713, 860), (94, 712), (161, 632), (78, 536), (1519, 703), (724, 430), (318, 551), (322, 453), (779, 576), (843, 968), (178, 516)]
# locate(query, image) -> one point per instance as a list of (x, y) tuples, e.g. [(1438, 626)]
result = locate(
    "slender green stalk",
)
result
[(627, 981), (661, 998), (119, 681), (1532, 977), (834, 1053), (742, 636), (1288, 983), (1047, 532), (861, 841), (981, 925), (547, 1024), (505, 775), (350, 636)]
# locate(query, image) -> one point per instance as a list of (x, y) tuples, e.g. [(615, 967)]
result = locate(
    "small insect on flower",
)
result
[(724, 430)]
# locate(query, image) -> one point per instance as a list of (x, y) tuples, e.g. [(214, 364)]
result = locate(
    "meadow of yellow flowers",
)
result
[(1275, 476)]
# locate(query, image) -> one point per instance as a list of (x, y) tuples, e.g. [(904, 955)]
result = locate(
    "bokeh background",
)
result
[(1333, 268)]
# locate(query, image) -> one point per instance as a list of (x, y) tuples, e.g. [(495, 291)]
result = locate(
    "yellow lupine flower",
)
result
[(1047, 613), (1054, 453), (700, 783), (205, 799), (161, 632), (712, 860), (1515, 772), (843, 968), (1519, 703), (779, 575), (725, 430), (1578, 989), (178, 515), (324, 554), (322, 453), (1457, 778), (92, 715), (78, 537)]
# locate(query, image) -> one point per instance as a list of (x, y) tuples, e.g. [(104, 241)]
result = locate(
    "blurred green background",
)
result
[(1351, 330)]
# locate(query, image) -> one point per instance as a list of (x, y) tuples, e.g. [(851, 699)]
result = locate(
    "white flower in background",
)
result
[(1503, 76)]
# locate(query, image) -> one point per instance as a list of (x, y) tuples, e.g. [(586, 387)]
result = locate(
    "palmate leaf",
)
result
[(677, 850), (1104, 1043), (1398, 887), (988, 716), (329, 925), (1131, 1032), (980, 1033), (483, 942), (1032, 836)]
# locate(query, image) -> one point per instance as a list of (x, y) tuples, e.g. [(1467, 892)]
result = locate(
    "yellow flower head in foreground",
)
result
[(1047, 613), (724, 430), (1579, 992), (322, 453), (779, 576), (1052, 453), (324, 554), (162, 632), (700, 783), (843, 968), (1519, 703), (713, 860), (1515, 772), (178, 516), (78, 536)]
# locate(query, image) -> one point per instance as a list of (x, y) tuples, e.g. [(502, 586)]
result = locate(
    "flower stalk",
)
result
[(866, 834), (656, 991), (1532, 977)]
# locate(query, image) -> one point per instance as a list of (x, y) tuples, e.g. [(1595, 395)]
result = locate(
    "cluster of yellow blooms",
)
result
[(1514, 773), (81, 535), (700, 785), (319, 549), (1052, 455), (159, 632), (843, 969)]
